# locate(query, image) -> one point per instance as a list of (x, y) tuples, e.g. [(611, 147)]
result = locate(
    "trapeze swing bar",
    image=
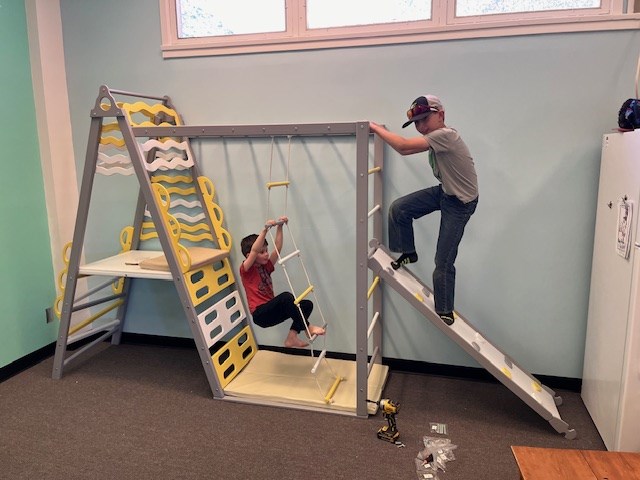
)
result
[(275, 224)]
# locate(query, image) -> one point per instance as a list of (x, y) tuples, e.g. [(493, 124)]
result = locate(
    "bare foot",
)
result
[(315, 330), (293, 341)]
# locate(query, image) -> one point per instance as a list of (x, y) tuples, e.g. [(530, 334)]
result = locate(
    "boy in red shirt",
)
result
[(266, 309)]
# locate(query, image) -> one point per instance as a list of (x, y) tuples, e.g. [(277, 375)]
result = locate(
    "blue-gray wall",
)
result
[(532, 109)]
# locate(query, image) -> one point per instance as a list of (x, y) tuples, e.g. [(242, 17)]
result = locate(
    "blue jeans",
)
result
[(454, 217)]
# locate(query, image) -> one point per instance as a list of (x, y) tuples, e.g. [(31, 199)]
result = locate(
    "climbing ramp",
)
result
[(178, 235), (539, 397)]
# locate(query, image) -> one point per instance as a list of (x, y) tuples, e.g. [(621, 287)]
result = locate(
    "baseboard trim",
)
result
[(397, 364), (26, 362)]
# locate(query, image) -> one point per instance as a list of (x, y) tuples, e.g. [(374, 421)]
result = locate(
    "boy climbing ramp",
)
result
[(266, 309), (456, 196)]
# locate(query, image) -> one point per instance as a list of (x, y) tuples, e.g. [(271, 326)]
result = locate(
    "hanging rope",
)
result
[(296, 252)]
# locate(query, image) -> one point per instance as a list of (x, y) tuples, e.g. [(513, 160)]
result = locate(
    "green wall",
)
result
[(26, 272)]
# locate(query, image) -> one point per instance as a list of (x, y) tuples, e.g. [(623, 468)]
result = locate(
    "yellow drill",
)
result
[(389, 432)]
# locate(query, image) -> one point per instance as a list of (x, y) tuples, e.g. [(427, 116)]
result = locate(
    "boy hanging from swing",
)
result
[(266, 309)]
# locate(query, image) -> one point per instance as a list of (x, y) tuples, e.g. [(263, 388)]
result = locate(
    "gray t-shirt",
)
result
[(452, 164)]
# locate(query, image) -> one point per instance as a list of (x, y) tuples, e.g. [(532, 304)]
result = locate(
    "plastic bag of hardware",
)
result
[(440, 448), (426, 470), (440, 428)]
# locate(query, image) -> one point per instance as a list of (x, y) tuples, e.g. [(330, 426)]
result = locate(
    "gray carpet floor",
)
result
[(146, 412)]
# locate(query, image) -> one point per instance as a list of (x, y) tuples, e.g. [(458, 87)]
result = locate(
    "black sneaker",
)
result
[(447, 318), (404, 259)]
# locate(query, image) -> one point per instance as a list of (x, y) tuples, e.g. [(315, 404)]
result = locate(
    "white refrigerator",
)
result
[(611, 375)]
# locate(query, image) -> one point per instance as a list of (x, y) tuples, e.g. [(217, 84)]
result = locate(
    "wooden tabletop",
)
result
[(564, 464)]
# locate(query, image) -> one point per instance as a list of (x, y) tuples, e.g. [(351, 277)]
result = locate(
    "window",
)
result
[(467, 8), (218, 27), (322, 13), (211, 18)]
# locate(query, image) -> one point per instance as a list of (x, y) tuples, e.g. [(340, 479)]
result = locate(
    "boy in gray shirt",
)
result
[(456, 196)]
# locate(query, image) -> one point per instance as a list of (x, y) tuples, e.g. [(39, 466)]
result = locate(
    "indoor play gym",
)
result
[(179, 235)]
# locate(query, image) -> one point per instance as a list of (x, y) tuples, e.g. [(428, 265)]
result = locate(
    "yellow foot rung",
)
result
[(277, 184), (303, 294), (329, 396)]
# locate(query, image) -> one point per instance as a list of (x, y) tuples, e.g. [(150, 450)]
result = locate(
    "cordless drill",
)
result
[(389, 432)]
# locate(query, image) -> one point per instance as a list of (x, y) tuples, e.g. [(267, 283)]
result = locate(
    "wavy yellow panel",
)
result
[(180, 191), (110, 127), (148, 235), (150, 111), (194, 228), (118, 142), (197, 238), (151, 234), (151, 124), (172, 179)]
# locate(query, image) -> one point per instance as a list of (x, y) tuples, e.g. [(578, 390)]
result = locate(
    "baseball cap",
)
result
[(422, 107)]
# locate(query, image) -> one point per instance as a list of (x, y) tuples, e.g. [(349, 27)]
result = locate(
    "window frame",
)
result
[(443, 25)]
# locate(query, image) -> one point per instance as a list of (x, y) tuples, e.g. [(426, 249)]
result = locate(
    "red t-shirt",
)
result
[(257, 284)]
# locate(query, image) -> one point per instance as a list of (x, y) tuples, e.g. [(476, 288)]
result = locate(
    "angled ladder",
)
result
[(175, 207), (539, 397)]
